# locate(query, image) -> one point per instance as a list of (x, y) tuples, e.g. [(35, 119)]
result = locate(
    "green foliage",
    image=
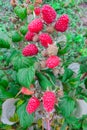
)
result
[(83, 68), (66, 106), (20, 12), (84, 124), (26, 120), (4, 94), (74, 122), (24, 29), (43, 81), (4, 40), (17, 71), (22, 62), (67, 74), (16, 37), (26, 75)]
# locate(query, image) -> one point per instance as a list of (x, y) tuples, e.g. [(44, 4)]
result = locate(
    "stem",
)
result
[(18, 94), (48, 124), (42, 124)]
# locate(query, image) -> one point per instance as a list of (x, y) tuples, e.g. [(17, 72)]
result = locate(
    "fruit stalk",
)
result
[(48, 124)]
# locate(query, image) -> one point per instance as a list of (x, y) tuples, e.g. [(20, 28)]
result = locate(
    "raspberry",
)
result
[(37, 11), (52, 62), (29, 36), (32, 105), (26, 91), (30, 50), (35, 26), (45, 39), (49, 100), (62, 23), (48, 14)]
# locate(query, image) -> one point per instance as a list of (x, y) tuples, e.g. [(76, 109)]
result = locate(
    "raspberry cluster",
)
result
[(48, 99), (40, 32)]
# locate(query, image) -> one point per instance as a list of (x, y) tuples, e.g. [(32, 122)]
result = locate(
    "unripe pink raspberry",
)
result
[(37, 11), (29, 36), (30, 50), (52, 62), (49, 100), (45, 39), (35, 26), (61, 24), (32, 105), (26, 91), (48, 14)]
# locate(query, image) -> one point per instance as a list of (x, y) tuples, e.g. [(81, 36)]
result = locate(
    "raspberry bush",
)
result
[(41, 76)]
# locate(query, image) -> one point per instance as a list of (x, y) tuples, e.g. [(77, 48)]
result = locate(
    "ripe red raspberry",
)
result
[(37, 11), (35, 26), (49, 100), (32, 105), (45, 39), (52, 62), (29, 36), (30, 50), (62, 23), (48, 14)]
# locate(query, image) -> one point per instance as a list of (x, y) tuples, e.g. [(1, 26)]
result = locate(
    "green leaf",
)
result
[(16, 37), (55, 5), (79, 38), (25, 76), (74, 122), (83, 68), (84, 124), (20, 12), (4, 40), (4, 94), (3, 82), (67, 75), (85, 82), (26, 119), (9, 56), (43, 81), (64, 50), (66, 106), (83, 52), (1, 74), (31, 7), (24, 29), (22, 62)]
